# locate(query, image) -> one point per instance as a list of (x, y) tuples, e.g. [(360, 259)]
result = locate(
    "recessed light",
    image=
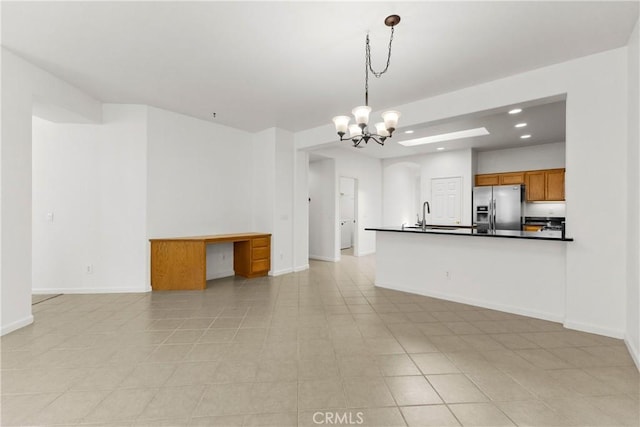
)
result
[(515, 111), (445, 137), (525, 136), (440, 148), (408, 131), (521, 125)]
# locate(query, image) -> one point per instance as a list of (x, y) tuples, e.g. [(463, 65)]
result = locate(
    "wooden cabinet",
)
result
[(554, 182), (252, 258), (540, 185), (181, 262), (511, 178), (535, 186), (487, 179), (260, 256), (545, 185)]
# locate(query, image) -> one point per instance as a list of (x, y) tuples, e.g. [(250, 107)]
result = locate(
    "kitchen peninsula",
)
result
[(514, 271)]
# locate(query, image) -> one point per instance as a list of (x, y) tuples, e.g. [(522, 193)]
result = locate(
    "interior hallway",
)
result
[(276, 351)]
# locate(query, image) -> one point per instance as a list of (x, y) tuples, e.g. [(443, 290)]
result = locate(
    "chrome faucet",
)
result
[(425, 206)]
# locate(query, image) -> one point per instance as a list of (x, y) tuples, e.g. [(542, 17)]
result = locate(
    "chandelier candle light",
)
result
[(359, 131)]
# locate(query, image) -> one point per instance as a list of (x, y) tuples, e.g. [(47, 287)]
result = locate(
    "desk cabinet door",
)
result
[(260, 255)]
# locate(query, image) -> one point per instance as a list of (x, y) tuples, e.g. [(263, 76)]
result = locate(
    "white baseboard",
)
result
[(44, 291), (91, 290), (324, 258), (16, 325), (281, 272), (480, 303), (592, 329), (301, 268), (365, 253), (221, 274), (634, 352)]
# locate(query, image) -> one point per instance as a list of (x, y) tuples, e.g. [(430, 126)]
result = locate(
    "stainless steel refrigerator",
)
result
[(499, 207)]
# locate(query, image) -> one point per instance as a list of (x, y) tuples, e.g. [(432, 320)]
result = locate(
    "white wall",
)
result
[(323, 210), (274, 170), (632, 336), (439, 165), (368, 172), (545, 209), (544, 156), (92, 178), (263, 187), (282, 251), (198, 182), (22, 83), (301, 212), (400, 193), (597, 134), (596, 144)]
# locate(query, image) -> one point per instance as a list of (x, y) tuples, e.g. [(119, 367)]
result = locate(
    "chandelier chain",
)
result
[(368, 67)]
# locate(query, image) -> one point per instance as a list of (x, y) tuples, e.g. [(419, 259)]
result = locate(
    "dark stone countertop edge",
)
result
[(449, 233)]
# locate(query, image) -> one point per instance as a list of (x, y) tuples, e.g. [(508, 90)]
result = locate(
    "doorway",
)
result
[(348, 215)]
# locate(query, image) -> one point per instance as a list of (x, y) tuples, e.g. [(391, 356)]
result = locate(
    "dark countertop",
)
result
[(467, 231)]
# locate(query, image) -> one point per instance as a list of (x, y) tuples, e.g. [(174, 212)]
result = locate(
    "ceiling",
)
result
[(545, 123), (294, 65)]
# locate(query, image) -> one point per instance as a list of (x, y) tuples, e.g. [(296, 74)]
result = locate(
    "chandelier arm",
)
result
[(366, 137)]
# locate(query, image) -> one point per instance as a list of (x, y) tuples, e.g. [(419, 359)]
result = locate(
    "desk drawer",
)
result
[(260, 241), (260, 253), (260, 265)]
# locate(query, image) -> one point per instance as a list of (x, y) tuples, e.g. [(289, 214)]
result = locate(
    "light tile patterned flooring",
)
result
[(320, 345)]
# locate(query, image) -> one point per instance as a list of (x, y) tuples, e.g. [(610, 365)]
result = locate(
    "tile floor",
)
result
[(318, 347)]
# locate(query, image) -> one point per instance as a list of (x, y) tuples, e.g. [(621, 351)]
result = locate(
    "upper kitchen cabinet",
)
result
[(535, 186), (508, 178), (545, 185), (554, 182), (511, 178), (487, 179)]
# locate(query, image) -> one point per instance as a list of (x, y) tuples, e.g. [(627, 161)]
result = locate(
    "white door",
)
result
[(446, 200), (347, 211), (346, 234)]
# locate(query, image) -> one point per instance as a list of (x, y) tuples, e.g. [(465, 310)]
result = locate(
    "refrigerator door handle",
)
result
[(493, 213)]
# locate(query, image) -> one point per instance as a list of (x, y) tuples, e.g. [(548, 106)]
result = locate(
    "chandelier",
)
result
[(359, 131)]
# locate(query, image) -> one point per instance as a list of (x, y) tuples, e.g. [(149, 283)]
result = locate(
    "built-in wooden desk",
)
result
[(180, 263)]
